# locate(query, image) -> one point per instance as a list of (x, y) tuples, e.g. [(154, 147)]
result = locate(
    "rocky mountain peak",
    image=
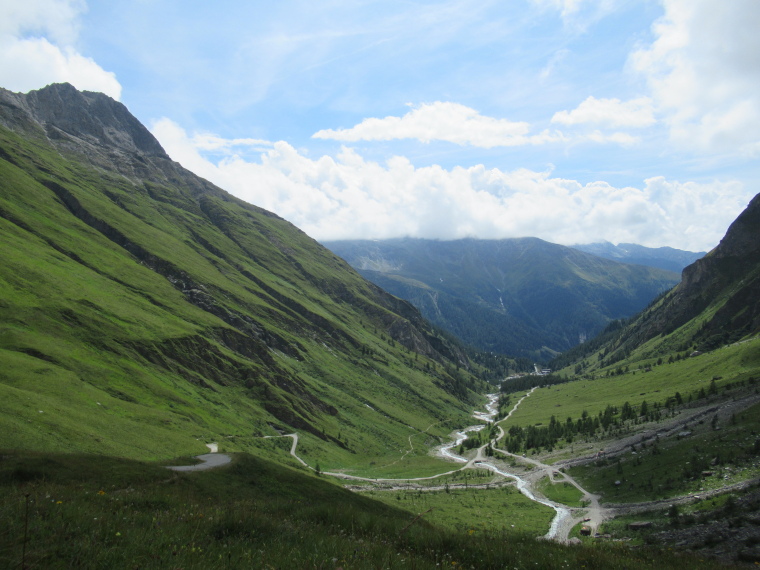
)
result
[(64, 112), (741, 239), (740, 244)]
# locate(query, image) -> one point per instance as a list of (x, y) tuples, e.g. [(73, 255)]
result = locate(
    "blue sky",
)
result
[(570, 120)]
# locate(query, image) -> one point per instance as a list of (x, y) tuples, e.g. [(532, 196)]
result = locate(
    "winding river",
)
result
[(563, 515), (563, 519)]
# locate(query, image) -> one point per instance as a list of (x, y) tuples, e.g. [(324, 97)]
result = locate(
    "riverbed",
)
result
[(562, 516)]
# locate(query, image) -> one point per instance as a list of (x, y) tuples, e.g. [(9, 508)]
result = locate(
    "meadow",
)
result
[(65, 511), (730, 364), (560, 492), (471, 511)]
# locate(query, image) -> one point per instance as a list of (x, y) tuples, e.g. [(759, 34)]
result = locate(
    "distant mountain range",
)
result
[(662, 257), (523, 297)]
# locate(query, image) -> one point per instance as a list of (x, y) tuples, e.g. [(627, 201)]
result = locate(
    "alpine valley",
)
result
[(148, 317)]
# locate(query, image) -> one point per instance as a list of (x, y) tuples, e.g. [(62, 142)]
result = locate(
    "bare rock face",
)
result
[(92, 126), (742, 236), (94, 118), (732, 264)]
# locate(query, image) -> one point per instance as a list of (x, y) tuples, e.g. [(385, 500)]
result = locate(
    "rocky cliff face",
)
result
[(63, 112), (726, 280)]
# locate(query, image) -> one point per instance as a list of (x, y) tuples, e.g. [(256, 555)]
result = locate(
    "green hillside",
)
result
[(65, 511), (145, 312)]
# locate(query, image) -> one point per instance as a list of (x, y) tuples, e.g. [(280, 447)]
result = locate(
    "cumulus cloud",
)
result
[(458, 124), (703, 69), (609, 112), (208, 141), (37, 40), (443, 121), (347, 196)]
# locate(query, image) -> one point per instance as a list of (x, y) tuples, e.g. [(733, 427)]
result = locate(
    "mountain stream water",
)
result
[(562, 512)]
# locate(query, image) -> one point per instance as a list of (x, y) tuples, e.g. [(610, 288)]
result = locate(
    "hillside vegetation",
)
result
[(659, 413), (82, 511), (145, 312)]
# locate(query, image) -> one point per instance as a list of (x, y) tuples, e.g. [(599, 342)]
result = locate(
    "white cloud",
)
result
[(458, 124), (443, 121), (703, 70), (350, 197), (609, 112), (208, 141), (57, 19), (37, 48)]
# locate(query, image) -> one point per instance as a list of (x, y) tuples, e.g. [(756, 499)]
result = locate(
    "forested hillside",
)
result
[(523, 297)]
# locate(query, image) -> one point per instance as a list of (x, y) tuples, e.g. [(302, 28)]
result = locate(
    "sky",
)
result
[(574, 121)]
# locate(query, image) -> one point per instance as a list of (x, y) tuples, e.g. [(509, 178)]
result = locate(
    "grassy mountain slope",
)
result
[(145, 311), (517, 296), (662, 411)]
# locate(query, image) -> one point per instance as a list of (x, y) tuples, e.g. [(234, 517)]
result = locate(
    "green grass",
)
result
[(732, 363), (474, 510), (100, 512), (560, 492)]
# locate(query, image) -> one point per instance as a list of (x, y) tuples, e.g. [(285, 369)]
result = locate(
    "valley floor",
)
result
[(254, 514), (536, 476), (526, 472)]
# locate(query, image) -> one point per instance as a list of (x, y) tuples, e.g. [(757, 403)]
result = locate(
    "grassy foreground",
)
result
[(473, 511), (79, 511)]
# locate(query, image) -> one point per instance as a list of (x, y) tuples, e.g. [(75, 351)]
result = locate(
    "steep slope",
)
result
[(662, 257), (144, 309), (525, 296), (716, 303)]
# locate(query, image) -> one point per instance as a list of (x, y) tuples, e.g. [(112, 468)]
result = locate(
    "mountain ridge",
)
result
[(663, 257), (60, 109), (716, 303), (540, 297)]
